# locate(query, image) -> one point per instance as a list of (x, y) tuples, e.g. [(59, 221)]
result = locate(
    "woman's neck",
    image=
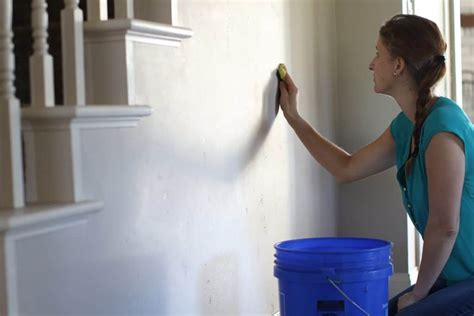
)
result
[(407, 103)]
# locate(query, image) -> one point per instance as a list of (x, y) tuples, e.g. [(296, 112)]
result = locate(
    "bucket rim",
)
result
[(386, 244)]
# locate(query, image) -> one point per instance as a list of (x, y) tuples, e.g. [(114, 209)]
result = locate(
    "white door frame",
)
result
[(452, 88)]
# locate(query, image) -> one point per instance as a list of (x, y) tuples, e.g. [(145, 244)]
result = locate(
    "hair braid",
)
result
[(425, 78)]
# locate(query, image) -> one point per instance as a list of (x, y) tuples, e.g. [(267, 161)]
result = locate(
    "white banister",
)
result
[(7, 65), (72, 35), (96, 10), (123, 9), (11, 172), (41, 62)]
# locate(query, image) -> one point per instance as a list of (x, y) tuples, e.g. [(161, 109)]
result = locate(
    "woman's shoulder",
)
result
[(447, 116), (446, 113)]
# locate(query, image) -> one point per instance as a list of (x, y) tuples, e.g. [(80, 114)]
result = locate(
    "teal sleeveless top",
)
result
[(444, 116)]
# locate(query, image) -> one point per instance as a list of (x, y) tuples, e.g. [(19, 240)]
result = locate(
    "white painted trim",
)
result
[(123, 9), (52, 146), (408, 6), (11, 169), (56, 146), (97, 10), (174, 11), (455, 50), (40, 216), (130, 72), (135, 30), (41, 62), (31, 221), (72, 45), (11, 158), (92, 117)]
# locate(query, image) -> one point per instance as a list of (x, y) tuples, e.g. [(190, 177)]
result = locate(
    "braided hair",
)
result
[(420, 43)]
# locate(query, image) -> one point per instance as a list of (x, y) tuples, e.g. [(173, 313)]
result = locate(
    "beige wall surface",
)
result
[(370, 207), (197, 194)]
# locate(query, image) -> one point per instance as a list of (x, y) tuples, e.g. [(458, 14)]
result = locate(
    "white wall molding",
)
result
[(137, 31), (51, 136), (109, 51), (85, 117), (27, 222), (35, 219)]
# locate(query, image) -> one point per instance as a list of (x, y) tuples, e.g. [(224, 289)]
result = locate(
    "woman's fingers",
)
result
[(288, 97), (290, 83), (283, 94), (283, 89)]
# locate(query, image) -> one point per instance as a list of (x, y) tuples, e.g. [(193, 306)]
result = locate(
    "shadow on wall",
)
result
[(227, 162), (269, 112)]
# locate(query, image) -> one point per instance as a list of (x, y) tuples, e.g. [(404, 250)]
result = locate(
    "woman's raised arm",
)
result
[(371, 159)]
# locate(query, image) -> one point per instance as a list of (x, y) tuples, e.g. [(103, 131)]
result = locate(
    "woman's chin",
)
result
[(378, 90)]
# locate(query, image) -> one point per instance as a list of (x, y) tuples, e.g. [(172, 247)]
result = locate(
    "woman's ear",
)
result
[(400, 65)]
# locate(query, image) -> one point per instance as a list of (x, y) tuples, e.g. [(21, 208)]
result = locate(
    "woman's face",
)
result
[(383, 67)]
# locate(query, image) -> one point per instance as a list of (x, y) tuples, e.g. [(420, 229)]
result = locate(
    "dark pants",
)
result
[(453, 300)]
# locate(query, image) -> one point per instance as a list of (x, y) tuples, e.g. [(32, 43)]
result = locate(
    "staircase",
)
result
[(63, 85)]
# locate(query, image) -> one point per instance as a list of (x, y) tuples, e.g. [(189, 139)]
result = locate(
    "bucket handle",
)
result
[(347, 297)]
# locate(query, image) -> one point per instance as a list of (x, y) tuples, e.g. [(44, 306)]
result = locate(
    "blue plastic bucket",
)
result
[(333, 276)]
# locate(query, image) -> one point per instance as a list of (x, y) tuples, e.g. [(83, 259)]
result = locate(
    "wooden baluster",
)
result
[(7, 76), (72, 37), (96, 10), (123, 9), (11, 167), (41, 62)]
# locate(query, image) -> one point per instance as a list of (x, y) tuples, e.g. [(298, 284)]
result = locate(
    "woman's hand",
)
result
[(406, 300), (288, 98)]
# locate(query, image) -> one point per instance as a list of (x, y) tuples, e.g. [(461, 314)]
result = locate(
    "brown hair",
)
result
[(419, 42)]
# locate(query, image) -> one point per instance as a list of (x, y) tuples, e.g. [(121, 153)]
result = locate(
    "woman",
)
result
[(431, 142)]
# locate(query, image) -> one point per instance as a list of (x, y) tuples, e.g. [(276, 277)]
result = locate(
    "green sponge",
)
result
[(281, 73)]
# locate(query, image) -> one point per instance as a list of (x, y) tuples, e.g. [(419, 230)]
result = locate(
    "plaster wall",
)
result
[(371, 207), (197, 194)]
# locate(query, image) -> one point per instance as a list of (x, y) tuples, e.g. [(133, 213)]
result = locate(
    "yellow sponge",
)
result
[(281, 71)]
